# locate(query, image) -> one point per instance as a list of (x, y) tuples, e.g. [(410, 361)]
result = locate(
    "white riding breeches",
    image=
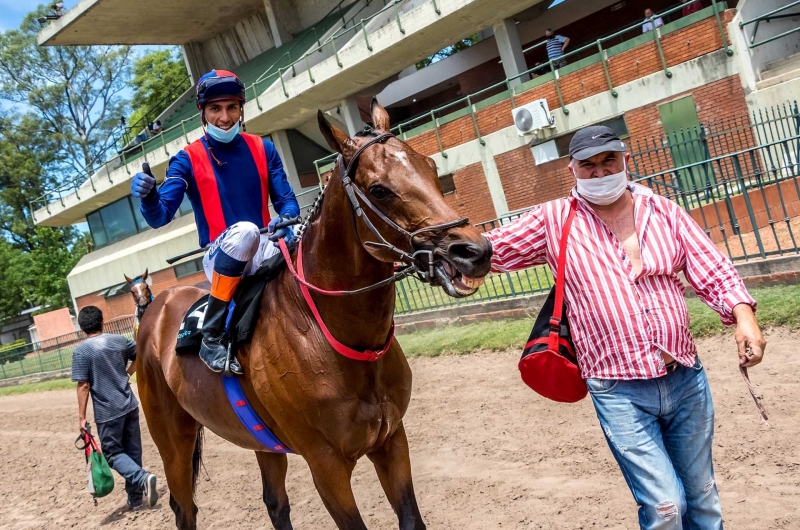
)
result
[(242, 242)]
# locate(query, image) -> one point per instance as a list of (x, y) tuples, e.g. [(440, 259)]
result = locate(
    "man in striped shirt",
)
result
[(630, 324), (556, 44)]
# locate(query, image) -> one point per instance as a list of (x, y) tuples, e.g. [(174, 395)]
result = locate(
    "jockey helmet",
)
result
[(219, 84)]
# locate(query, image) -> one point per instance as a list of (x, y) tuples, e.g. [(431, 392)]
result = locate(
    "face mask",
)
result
[(604, 190), (221, 135)]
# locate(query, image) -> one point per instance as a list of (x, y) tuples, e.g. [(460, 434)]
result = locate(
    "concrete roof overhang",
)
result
[(98, 22)]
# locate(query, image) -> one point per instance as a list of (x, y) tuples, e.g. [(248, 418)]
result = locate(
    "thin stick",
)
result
[(756, 398)]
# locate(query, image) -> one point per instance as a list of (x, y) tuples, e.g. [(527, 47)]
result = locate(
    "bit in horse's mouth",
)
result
[(453, 281)]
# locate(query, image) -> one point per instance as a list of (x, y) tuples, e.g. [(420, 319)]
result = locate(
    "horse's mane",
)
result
[(366, 132)]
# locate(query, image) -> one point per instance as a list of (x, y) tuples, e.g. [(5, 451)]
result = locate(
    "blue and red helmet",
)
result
[(219, 84)]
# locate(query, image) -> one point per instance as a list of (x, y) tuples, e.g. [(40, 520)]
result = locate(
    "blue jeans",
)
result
[(660, 432), (121, 443)]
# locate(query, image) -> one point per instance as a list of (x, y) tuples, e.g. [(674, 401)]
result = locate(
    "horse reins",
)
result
[(412, 260)]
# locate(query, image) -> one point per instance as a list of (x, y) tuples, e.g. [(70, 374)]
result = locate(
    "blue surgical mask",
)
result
[(221, 135)]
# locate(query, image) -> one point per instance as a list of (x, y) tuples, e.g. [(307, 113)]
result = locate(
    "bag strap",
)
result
[(555, 320)]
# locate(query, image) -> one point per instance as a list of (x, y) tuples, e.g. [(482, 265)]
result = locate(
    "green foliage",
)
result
[(159, 77), (75, 90), (463, 44)]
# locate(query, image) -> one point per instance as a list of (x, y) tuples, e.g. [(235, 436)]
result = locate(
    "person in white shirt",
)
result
[(651, 21)]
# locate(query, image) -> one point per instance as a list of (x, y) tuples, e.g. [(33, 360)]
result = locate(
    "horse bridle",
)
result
[(414, 260)]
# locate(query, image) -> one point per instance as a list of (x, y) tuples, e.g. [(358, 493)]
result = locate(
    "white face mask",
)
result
[(604, 190)]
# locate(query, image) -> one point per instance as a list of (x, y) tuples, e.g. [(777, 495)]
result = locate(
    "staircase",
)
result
[(779, 71)]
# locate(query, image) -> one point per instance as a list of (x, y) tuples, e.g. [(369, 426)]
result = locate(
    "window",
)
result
[(189, 267), (448, 185), (186, 205), (115, 290), (116, 221)]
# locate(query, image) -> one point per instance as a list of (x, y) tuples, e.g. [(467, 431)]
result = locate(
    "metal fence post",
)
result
[(604, 61), (475, 120), (728, 51), (558, 88), (438, 138), (657, 39)]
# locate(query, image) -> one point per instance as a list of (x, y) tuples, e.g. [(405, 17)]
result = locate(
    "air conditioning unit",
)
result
[(532, 117)]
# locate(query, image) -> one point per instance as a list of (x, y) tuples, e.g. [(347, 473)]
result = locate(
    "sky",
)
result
[(13, 11)]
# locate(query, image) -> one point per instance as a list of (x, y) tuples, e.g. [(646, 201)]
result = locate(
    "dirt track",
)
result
[(486, 453)]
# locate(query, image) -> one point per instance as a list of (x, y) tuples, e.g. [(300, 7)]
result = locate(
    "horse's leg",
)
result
[(178, 438), (331, 475), (393, 466), (273, 477)]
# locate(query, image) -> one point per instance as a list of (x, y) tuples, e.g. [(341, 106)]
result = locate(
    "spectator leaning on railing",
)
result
[(630, 324), (651, 21), (556, 44)]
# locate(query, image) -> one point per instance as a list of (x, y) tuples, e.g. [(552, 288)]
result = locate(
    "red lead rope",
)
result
[(365, 355)]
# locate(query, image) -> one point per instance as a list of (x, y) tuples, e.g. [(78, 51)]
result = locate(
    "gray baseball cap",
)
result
[(594, 140)]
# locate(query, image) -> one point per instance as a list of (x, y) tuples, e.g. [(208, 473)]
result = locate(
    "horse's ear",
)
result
[(336, 138), (144, 276), (380, 118), (127, 279)]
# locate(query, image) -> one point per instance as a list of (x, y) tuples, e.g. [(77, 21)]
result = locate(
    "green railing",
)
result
[(266, 80), (744, 194), (53, 354), (550, 71), (775, 14)]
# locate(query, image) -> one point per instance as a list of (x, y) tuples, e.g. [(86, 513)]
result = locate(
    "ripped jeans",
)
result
[(660, 432)]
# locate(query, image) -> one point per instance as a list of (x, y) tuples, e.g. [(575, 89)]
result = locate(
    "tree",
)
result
[(27, 149), (13, 292), (463, 44), (75, 90), (50, 262), (159, 77)]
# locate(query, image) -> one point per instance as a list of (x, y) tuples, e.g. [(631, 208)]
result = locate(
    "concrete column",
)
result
[(193, 60), (496, 190), (351, 115), (279, 34), (507, 38), (281, 141)]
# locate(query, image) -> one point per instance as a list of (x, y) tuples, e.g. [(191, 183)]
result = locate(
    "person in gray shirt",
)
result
[(99, 367)]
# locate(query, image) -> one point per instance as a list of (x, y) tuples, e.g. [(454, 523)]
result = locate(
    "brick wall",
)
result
[(526, 184), (123, 305), (680, 46), (471, 198)]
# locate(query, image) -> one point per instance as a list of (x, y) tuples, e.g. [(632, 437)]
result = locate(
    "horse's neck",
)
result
[(335, 259)]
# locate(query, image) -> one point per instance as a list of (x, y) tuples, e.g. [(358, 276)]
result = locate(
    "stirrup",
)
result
[(232, 365)]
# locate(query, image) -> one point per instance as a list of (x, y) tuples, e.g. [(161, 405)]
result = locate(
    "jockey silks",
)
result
[(221, 195)]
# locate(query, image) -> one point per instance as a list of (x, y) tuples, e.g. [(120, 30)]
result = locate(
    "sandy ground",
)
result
[(486, 453)]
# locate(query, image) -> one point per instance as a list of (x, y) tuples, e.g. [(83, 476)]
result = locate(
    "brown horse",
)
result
[(142, 297), (329, 409)]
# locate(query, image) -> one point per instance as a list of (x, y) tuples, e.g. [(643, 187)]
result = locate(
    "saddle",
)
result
[(243, 312)]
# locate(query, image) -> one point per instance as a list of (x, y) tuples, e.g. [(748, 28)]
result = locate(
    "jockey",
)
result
[(229, 177)]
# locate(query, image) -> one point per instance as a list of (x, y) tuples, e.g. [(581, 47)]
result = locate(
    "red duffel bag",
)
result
[(549, 364)]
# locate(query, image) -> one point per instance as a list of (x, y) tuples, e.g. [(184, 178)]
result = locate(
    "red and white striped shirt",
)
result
[(621, 322)]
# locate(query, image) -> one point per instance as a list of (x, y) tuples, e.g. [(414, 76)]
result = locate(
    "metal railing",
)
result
[(513, 86), (53, 354), (271, 77), (775, 14)]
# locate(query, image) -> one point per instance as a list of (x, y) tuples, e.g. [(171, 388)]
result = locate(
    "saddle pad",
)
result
[(244, 311)]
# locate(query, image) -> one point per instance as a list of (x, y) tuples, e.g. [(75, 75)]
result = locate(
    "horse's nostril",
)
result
[(465, 251)]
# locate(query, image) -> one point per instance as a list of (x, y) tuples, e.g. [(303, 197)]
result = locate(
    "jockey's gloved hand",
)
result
[(142, 185), (286, 233)]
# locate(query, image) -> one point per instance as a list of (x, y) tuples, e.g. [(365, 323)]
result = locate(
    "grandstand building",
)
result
[(700, 66)]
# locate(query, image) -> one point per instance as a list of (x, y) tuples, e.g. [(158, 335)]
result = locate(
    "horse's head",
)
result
[(399, 186), (142, 295)]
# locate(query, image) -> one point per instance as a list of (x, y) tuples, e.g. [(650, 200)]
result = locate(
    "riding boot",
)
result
[(214, 348)]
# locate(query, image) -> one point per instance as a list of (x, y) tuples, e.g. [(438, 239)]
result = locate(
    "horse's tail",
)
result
[(197, 457)]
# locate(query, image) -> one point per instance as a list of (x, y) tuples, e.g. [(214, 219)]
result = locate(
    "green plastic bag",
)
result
[(98, 472), (101, 481)]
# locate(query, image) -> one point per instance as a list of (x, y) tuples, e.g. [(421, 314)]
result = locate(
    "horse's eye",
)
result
[(379, 192)]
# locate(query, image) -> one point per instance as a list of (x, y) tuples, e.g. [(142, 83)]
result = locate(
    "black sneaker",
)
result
[(150, 493), (134, 506)]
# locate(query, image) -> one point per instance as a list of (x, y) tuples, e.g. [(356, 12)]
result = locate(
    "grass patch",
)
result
[(41, 386), (777, 307)]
